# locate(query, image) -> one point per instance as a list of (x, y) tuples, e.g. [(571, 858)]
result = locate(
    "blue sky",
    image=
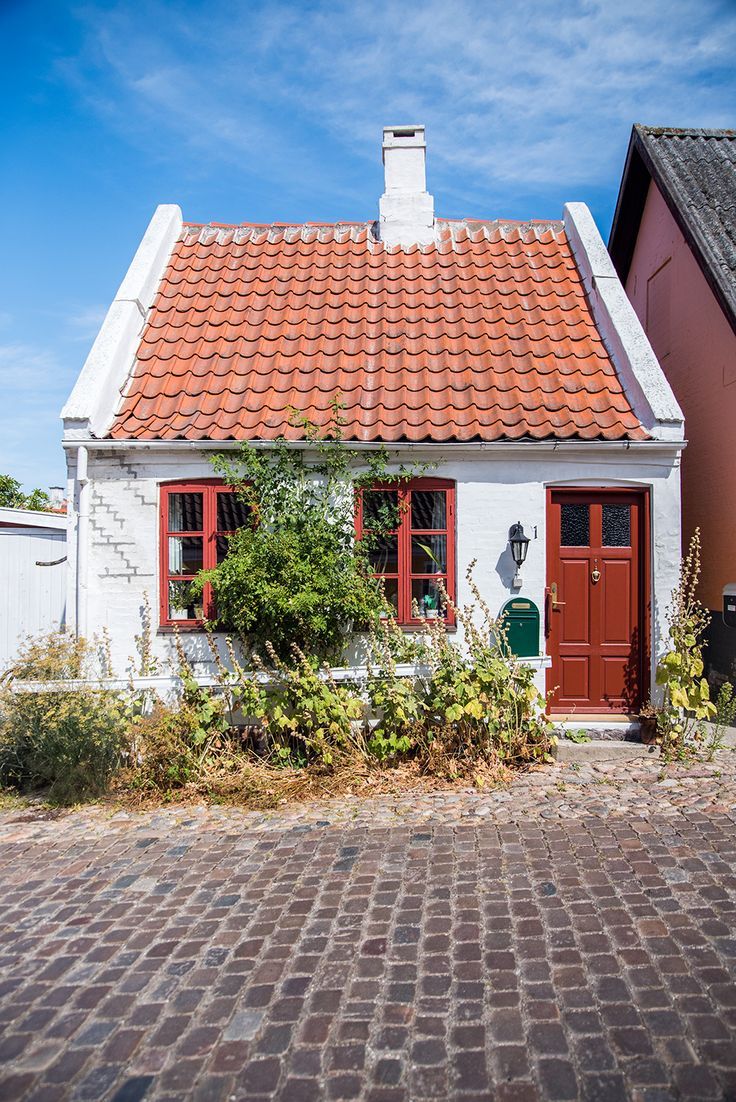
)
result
[(250, 111)]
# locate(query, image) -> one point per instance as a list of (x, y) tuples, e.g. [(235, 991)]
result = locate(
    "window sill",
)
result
[(184, 629), (417, 625), (192, 628)]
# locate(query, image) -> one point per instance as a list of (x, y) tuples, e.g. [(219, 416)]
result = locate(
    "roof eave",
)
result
[(673, 442)]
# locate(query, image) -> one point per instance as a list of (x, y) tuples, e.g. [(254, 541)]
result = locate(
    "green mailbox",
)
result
[(521, 620)]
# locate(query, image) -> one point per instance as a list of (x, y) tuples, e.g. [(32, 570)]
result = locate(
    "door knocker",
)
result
[(595, 575)]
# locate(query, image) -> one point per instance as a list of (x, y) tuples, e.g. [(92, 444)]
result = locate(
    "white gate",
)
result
[(32, 597)]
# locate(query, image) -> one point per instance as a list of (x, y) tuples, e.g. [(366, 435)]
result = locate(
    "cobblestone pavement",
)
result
[(571, 937)]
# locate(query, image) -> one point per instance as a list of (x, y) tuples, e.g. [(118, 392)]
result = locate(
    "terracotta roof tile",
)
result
[(485, 335)]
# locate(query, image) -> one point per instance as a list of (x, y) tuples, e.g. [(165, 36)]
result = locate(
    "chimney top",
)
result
[(403, 136), (406, 209)]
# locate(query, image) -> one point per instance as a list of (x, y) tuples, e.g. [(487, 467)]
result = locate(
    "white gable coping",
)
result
[(643, 380), (91, 405)]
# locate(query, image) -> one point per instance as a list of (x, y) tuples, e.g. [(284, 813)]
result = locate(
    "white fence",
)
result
[(32, 597)]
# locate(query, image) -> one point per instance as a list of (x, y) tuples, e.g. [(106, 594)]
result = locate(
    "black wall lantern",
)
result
[(519, 547)]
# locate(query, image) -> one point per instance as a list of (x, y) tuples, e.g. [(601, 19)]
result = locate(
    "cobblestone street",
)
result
[(570, 937)]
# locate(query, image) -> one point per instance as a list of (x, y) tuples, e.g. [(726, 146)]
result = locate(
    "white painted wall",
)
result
[(32, 598), (495, 487)]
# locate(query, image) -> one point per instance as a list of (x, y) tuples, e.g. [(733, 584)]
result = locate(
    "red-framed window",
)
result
[(419, 553), (197, 519)]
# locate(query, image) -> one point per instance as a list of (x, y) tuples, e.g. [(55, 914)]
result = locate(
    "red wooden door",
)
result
[(596, 621)]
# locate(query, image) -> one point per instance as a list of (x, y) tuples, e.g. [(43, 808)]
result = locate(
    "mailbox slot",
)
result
[(520, 617)]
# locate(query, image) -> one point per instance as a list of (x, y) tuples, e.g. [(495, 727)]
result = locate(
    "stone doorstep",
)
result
[(614, 739), (623, 728), (616, 748), (615, 751)]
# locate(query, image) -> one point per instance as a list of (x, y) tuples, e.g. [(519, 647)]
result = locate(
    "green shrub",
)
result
[(307, 715), (68, 741), (171, 747), (297, 575), (724, 717), (686, 700), (175, 744), (483, 705), (397, 702), (472, 703)]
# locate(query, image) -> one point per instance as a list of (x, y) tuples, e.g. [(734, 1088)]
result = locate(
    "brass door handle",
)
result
[(553, 595)]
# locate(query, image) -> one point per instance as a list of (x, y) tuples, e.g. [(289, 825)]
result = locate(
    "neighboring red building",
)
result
[(673, 244)]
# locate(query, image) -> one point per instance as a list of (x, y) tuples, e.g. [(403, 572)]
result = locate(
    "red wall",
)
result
[(697, 349)]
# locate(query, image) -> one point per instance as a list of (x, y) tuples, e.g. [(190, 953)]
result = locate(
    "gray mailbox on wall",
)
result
[(729, 605)]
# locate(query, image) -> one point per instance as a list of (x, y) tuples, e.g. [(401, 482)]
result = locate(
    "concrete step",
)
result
[(610, 729), (599, 750), (618, 749)]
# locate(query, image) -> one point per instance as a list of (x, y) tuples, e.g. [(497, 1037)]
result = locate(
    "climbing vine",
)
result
[(297, 575)]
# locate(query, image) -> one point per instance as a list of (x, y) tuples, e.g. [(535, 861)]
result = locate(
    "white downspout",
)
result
[(82, 541)]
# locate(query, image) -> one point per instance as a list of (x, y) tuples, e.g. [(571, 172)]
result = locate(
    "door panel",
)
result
[(596, 613), (614, 679), (616, 596), (575, 678), (576, 622)]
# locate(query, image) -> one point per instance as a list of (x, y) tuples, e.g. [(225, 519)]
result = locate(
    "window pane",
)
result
[(185, 554), (428, 554), (427, 595), (428, 509), (616, 525), (185, 512), (223, 542), (391, 589), (383, 553), (575, 525), (232, 513), (380, 507), (181, 607)]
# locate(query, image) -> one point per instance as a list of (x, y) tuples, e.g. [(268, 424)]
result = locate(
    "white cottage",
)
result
[(505, 354)]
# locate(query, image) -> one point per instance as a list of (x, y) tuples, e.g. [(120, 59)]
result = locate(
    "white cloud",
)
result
[(28, 369), (525, 103), (33, 380), (515, 96), (85, 323)]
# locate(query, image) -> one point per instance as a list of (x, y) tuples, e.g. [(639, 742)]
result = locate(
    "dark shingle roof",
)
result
[(695, 170)]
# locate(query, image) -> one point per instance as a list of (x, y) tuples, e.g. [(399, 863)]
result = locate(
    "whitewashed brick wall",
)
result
[(493, 492)]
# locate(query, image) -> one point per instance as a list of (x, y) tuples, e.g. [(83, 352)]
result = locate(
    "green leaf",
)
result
[(678, 697)]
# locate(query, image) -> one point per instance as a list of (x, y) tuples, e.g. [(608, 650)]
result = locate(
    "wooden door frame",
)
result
[(645, 572)]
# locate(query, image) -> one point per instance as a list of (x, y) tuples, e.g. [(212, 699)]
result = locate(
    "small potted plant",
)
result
[(648, 716), (430, 606)]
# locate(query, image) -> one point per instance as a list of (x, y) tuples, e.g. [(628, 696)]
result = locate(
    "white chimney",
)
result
[(56, 496), (406, 209)]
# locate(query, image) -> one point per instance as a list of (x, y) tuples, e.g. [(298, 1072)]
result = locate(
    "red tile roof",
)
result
[(486, 335)]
